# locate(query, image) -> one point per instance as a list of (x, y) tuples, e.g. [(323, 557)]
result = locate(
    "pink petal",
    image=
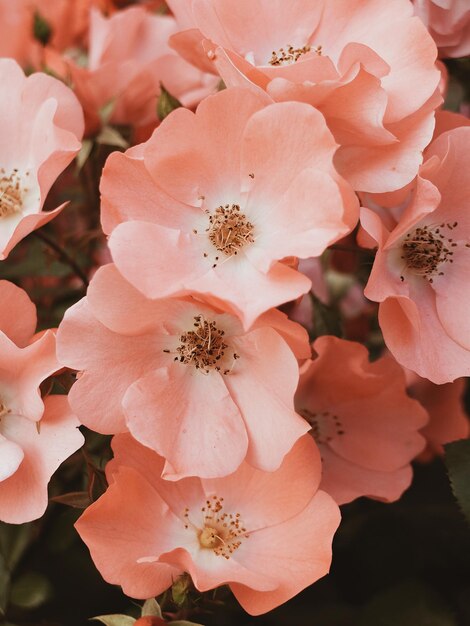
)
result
[(142, 526), (297, 553), (189, 418), (23, 496), (263, 384)]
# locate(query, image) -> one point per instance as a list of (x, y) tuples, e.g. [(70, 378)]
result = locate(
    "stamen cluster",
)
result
[(204, 347), (229, 230), (426, 249), (325, 426), (222, 532), (290, 55), (11, 193)]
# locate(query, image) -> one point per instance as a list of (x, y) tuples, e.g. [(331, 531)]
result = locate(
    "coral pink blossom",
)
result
[(26, 359), (448, 420), (184, 377), (29, 455), (16, 31), (367, 65), (420, 273), (35, 436), (127, 60), (362, 419), (215, 200), (267, 535), (68, 21), (448, 21), (41, 123)]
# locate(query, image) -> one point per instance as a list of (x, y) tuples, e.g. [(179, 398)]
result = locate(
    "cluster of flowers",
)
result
[(235, 439)]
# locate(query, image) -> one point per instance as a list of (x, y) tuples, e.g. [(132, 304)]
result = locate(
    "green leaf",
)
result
[(4, 586), (457, 460), (166, 103), (111, 137), (31, 591), (75, 499), (42, 29), (85, 151), (409, 604), (151, 608), (14, 541), (115, 620), (326, 319)]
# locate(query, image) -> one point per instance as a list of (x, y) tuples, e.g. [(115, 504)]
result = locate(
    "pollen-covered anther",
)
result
[(229, 230), (11, 193), (325, 425), (426, 249), (221, 532), (204, 347), (286, 56), (3, 410)]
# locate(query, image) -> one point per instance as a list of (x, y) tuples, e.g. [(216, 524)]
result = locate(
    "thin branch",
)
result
[(63, 254)]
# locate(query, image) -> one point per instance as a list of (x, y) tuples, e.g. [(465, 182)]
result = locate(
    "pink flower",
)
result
[(345, 58), (68, 21), (364, 423), (127, 60), (448, 21), (16, 31), (35, 436), (184, 377), (224, 195), (420, 274), (267, 535), (41, 124), (448, 420)]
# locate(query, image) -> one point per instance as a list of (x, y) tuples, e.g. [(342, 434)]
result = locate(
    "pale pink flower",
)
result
[(216, 200), (36, 436), (420, 273), (41, 124), (448, 21), (367, 65), (364, 423), (184, 377), (128, 59), (266, 535)]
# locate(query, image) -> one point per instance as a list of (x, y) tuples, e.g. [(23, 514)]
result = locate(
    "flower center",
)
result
[(426, 249), (325, 426), (221, 532), (204, 347), (229, 229), (3, 410), (11, 193), (286, 56)]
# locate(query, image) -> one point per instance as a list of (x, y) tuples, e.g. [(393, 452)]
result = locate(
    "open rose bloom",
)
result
[(362, 419), (448, 21), (126, 62), (344, 58), (420, 274), (216, 201), (267, 535), (184, 377), (41, 124), (36, 436)]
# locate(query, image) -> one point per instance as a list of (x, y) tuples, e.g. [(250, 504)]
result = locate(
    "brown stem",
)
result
[(63, 254)]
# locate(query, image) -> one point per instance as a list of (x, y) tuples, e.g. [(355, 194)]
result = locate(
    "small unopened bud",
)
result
[(166, 103), (150, 620), (41, 29)]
